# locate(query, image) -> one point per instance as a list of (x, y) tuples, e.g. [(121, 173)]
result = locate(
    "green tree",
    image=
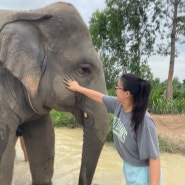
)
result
[(178, 89), (183, 82), (176, 83), (172, 20), (109, 44), (124, 34)]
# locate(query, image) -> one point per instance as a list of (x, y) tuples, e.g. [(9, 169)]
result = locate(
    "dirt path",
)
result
[(172, 126)]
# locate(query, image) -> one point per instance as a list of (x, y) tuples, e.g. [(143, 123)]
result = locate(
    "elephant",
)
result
[(38, 49)]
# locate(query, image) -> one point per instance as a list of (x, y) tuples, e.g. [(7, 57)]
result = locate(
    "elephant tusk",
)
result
[(85, 115)]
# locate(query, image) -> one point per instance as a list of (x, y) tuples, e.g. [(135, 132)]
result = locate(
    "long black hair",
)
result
[(140, 90)]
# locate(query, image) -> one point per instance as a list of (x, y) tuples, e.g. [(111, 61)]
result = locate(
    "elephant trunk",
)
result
[(95, 128)]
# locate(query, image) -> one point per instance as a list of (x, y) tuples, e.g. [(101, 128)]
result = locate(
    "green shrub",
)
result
[(158, 104), (162, 105), (178, 93), (63, 119), (180, 103), (110, 133)]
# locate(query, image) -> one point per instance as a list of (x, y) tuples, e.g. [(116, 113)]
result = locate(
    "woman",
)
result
[(134, 131), (20, 136)]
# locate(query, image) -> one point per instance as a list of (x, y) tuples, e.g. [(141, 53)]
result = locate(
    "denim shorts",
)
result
[(135, 175), (18, 132)]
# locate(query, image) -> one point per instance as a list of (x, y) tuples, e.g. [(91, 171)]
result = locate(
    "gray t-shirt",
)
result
[(133, 149)]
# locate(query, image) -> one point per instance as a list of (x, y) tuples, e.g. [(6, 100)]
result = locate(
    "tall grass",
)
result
[(162, 105)]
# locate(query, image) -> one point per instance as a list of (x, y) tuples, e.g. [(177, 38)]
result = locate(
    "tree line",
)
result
[(127, 32)]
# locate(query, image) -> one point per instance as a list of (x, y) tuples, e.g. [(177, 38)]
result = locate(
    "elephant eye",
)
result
[(83, 70)]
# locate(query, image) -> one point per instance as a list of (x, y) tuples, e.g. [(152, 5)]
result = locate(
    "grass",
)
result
[(168, 145), (161, 105)]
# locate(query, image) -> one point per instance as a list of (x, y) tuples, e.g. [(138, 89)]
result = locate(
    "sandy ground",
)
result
[(172, 126)]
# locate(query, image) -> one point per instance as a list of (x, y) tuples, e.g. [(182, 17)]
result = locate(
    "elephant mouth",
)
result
[(81, 116), (80, 111)]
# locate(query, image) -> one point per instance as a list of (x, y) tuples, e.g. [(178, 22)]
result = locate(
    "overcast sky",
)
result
[(159, 65)]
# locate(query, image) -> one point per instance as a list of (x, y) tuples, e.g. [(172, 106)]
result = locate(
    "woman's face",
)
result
[(120, 93), (124, 97)]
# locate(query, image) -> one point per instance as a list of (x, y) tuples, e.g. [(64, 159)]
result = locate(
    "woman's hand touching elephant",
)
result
[(74, 86), (71, 84)]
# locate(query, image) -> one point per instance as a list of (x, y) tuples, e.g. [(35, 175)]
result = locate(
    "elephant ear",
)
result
[(20, 16), (22, 48)]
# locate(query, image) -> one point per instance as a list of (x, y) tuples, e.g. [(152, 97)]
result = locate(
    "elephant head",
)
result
[(41, 47)]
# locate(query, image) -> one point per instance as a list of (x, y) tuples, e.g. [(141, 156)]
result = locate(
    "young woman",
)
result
[(134, 131), (20, 136)]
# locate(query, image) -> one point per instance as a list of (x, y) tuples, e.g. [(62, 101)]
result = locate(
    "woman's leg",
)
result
[(23, 148), (16, 138)]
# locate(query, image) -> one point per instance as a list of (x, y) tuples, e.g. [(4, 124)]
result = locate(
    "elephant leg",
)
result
[(39, 140), (7, 137)]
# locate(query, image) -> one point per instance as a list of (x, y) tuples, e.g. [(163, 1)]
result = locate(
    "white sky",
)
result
[(159, 65)]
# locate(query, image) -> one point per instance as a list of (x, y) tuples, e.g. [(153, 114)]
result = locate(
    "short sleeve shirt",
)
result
[(134, 148)]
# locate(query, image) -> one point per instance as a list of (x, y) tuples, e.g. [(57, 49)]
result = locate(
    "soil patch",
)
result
[(171, 126)]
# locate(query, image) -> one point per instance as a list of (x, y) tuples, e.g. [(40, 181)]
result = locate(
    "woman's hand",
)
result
[(71, 84), (74, 86)]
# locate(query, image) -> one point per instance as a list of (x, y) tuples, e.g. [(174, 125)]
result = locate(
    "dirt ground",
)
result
[(172, 126)]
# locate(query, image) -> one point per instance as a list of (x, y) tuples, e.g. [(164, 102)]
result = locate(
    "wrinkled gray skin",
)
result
[(40, 48)]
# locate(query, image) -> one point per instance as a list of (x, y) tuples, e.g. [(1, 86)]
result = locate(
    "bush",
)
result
[(63, 119), (158, 104), (177, 94), (161, 105), (110, 133)]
